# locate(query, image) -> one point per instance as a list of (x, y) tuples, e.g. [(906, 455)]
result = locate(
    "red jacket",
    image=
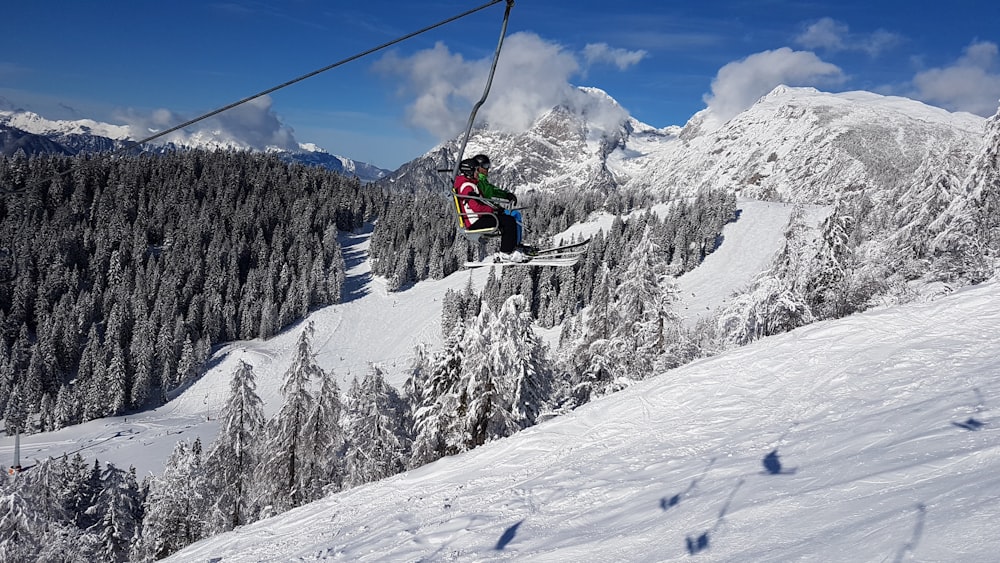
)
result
[(471, 208)]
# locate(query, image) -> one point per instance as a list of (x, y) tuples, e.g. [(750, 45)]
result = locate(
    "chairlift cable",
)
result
[(133, 144), (315, 72)]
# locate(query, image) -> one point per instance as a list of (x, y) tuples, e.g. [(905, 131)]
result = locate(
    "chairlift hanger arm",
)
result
[(486, 90)]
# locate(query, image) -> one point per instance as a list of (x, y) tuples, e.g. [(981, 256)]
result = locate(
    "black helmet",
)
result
[(482, 161), (468, 166)]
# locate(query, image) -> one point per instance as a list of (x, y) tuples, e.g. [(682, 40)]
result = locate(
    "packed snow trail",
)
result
[(373, 325), (748, 247), (840, 441)]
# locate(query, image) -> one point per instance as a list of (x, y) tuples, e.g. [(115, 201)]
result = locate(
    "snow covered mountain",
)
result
[(802, 145), (74, 136), (794, 144)]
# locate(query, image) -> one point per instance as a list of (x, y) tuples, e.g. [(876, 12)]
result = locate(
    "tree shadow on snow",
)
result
[(355, 285), (507, 536)]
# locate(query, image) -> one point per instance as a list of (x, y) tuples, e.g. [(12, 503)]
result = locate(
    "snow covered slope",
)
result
[(869, 438), (748, 248), (865, 439), (372, 326)]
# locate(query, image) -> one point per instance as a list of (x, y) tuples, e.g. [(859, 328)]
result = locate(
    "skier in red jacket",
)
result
[(477, 201)]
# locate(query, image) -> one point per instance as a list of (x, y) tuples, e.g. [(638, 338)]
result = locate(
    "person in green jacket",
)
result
[(481, 164)]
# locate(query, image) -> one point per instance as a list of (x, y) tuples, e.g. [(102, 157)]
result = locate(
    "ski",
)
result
[(561, 260), (562, 255), (559, 249)]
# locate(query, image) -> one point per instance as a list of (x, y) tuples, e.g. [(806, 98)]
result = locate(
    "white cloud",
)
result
[(251, 124), (971, 84), (533, 76), (824, 34), (595, 53), (739, 84), (832, 35)]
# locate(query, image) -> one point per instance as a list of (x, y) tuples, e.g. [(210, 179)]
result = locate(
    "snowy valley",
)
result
[(858, 423)]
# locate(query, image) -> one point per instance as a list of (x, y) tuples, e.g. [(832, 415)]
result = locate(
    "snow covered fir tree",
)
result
[(126, 280)]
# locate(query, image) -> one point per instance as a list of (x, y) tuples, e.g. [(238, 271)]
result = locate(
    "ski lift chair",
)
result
[(475, 235)]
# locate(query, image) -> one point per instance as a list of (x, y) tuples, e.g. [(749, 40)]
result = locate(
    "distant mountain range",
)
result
[(36, 135), (794, 144)]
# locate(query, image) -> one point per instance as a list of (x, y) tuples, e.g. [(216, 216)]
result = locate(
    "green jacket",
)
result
[(489, 191)]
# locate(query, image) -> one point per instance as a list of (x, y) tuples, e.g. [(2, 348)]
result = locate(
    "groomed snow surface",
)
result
[(870, 438)]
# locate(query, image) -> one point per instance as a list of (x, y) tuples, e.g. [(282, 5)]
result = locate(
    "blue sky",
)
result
[(159, 64)]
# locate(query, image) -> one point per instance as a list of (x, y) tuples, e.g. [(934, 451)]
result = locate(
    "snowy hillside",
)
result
[(864, 439), (748, 247), (348, 342), (870, 438)]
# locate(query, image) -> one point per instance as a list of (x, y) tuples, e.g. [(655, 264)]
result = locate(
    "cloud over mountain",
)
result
[(739, 84), (253, 124), (532, 76), (971, 83)]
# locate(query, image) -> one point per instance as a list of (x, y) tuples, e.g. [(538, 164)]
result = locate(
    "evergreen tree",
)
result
[(174, 509), (481, 403), (596, 366), (119, 510), (435, 393), (378, 441), (16, 414), (231, 464), (20, 527), (504, 375), (519, 360), (833, 261), (286, 451), (324, 437), (642, 306)]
